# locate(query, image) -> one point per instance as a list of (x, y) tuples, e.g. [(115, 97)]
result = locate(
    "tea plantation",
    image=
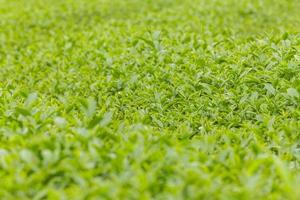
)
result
[(149, 99)]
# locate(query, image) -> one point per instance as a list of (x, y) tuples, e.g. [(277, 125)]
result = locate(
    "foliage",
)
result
[(144, 99)]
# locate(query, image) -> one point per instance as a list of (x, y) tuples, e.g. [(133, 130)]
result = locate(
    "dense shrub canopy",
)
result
[(149, 99)]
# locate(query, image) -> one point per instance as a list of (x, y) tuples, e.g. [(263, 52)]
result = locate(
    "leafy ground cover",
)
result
[(144, 99)]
